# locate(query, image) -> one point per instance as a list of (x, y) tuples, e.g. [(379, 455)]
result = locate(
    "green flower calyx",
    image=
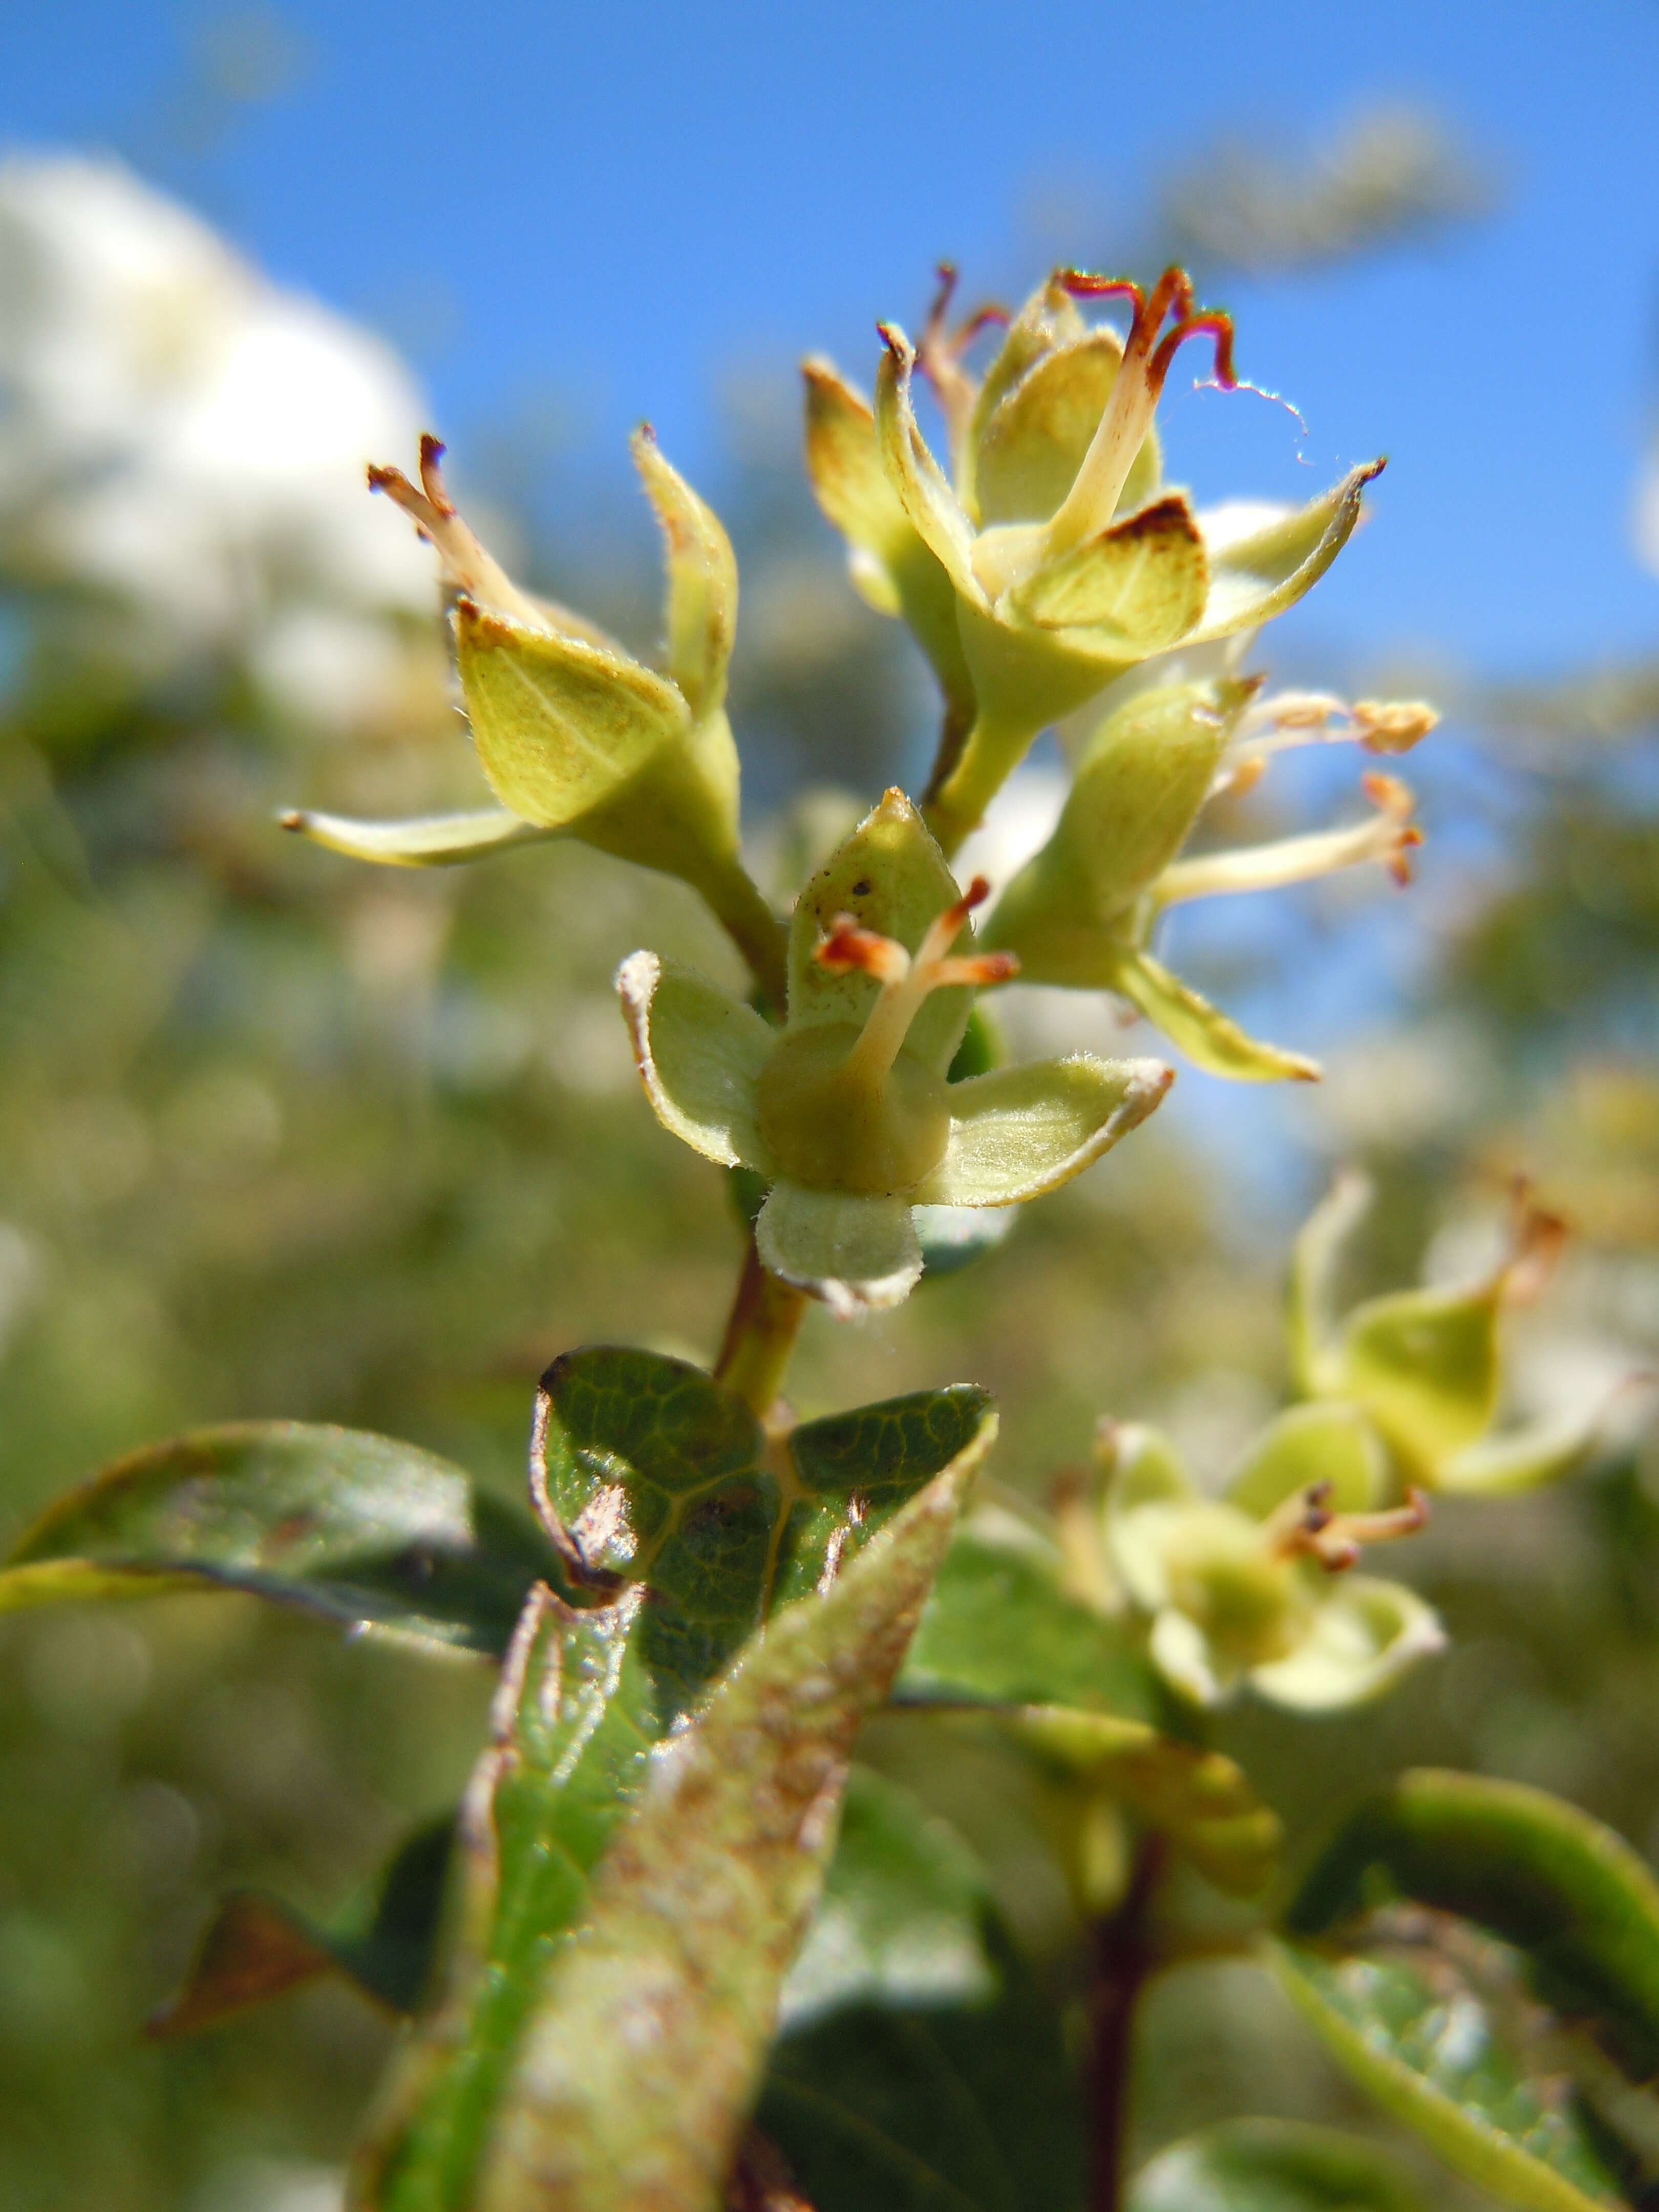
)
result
[(850, 1109)]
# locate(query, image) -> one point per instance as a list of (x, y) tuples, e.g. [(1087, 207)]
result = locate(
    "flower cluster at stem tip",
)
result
[(1051, 577)]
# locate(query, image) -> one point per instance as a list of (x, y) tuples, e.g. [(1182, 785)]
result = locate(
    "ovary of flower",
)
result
[(850, 1109), (1390, 837)]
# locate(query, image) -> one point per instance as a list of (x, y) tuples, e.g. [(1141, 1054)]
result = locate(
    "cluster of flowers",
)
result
[(1049, 574)]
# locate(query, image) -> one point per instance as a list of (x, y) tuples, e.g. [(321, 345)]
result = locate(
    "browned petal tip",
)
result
[(291, 817)]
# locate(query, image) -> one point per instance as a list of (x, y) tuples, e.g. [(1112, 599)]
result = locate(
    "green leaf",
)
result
[(1272, 2166), (1000, 1630), (433, 840), (683, 1528), (919, 2067), (649, 2034), (257, 1947), (365, 1531), (1133, 590), (1534, 1871), (1420, 2033), (1487, 1965), (1021, 1130)]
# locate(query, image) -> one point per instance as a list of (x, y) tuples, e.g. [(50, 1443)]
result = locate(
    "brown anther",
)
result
[(982, 969), (1538, 1238), (1171, 298), (851, 949), (1393, 726), (1395, 799), (939, 357)]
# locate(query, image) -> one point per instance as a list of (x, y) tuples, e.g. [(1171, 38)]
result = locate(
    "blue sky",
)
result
[(626, 206)]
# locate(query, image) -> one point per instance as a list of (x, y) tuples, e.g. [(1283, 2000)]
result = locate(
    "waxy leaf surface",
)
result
[(919, 2066), (363, 1530), (1485, 1959), (649, 2035), (680, 1530), (1272, 2166)]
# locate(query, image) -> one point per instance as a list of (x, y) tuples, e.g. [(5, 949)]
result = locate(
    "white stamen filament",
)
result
[(1388, 837)]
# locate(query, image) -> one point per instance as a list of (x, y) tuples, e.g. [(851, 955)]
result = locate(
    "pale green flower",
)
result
[(1048, 560), (846, 1112), (1084, 909), (574, 736), (1255, 1586), (1425, 1367)]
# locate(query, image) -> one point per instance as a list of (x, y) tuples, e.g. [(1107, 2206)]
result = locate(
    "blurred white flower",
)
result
[(1647, 511), (180, 437)]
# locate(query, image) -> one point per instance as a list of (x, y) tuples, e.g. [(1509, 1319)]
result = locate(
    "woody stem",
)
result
[(1122, 1956), (760, 1334)]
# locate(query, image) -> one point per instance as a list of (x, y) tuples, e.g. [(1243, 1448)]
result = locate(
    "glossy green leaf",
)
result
[(1573, 1895), (1422, 2032), (650, 2034), (1272, 2166), (680, 1530), (370, 1532), (919, 2067), (257, 1947), (1485, 1959), (1001, 1630)]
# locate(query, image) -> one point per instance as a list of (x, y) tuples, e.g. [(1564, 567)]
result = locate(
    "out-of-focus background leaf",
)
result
[(284, 1136)]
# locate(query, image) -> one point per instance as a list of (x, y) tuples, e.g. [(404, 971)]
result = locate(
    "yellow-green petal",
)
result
[(1521, 1459), (1135, 589), (1200, 1030), (702, 579), (1033, 441), (1256, 577), (560, 725), (921, 485), (890, 876), (700, 1053), (431, 841), (1327, 1443), (1311, 1319), (1019, 1132), (1424, 1365), (856, 1254), (1365, 1636)]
